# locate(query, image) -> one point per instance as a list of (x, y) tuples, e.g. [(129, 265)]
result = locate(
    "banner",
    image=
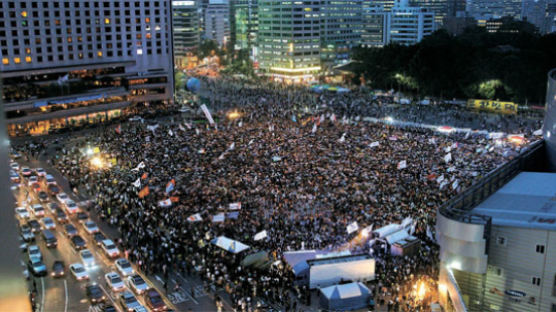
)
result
[(195, 218), (165, 203), (137, 183), (352, 227), (260, 235), (234, 206), (218, 218), (493, 106), (170, 186), (144, 192), (207, 114), (374, 144), (402, 165)]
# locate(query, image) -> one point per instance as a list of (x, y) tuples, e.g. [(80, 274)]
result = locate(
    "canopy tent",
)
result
[(350, 296), (396, 236), (386, 230), (228, 244), (259, 260)]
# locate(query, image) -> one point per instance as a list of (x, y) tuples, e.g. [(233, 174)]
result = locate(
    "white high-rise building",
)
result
[(408, 25), (66, 63), (217, 21)]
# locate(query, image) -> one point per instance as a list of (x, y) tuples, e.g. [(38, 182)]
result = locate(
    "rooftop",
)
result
[(527, 201)]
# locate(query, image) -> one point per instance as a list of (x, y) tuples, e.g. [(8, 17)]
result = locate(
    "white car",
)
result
[(114, 281), (32, 180), (62, 197), (87, 258), (22, 212), (48, 223), (14, 166), (40, 172), (137, 284), (110, 248), (71, 206), (38, 210), (50, 180), (78, 271), (90, 227), (124, 267)]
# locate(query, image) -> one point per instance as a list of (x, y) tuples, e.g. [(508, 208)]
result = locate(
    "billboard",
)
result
[(493, 106)]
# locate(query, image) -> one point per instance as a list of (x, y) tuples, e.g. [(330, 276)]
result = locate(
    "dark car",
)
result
[(35, 225), (52, 206), (98, 237), (82, 215), (36, 187), (43, 197), (53, 189), (108, 308), (58, 269), (78, 242), (154, 300), (70, 230), (61, 216), (94, 293)]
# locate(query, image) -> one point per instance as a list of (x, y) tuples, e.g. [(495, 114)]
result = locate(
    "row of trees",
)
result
[(509, 65)]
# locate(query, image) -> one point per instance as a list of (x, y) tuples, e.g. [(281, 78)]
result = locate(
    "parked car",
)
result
[(87, 258), (38, 210), (43, 197), (22, 212), (40, 172), (48, 223), (110, 248), (50, 240), (14, 166), (37, 267), (34, 252), (32, 180), (61, 216), (98, 237), (82, 216), (71, 206), (62, 197), (52, 206), (34, 225), (128, 301), (49, 179), (53, 189), (26, 172), (14, 177), (26, 233)]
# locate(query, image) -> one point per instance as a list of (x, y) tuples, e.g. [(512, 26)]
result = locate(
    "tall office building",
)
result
[(485, 9), (186, 30), (384, 4), (409, 25), (341, 28), (376, 27), (289, 39), (440, 8), (244, 24), (217, 22), (71, 62), (550, 18), (534, 11)]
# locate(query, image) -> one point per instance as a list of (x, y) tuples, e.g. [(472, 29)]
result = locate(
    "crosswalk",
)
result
[(181, 295)]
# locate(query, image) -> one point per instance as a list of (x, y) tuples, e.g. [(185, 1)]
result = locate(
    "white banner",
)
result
[(218, 218), (195, 218), (207, 114), (260, 235), (235, 206), (352, 227), (448, 157), (402, 165), (374, 144), (165, 203)]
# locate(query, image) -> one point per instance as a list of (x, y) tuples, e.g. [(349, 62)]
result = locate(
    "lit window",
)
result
[(147, 20), (99, 53), (24, 13), (139, 51), (69, 39), (5, 61), (148, 36), (17, 60), (28, 59), (28, 50), (106, 21)]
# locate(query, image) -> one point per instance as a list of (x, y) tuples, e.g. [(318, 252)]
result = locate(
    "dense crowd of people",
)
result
[(303, 166)]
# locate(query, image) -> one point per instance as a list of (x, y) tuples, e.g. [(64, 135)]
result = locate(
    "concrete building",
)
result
[(244, 24), (217, 22), (486, 9), (550, 18), (341, 29), (408, 25), (79, 61), (533, 11), (384, 4), (440, 8), (289, 39), (376, 21), (186, 31)]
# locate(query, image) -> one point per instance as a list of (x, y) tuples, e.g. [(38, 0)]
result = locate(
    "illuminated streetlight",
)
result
[(421, 291), (234, 115), (97, 162)]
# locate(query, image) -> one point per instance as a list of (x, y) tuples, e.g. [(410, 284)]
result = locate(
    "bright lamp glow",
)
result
[(97, 162), (234, 115)]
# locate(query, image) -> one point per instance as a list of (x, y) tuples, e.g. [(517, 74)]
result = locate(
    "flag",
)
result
[(235, 206), (152, 128), (333, 117), (343, 138), (170, 132), (141, 165), (294, 119), (321, 119), (240, 124), (144, 176), (195, 218), (431, 176), (451, 169), (165, 203), (201, 151), (137, 183), (374, 144), (352, 227), (455, 185), (181, 128), (144, 192), (197, 131), (402, 165), (63, 79), (119, 129), (232, 146), (432, 141), (440, 179), (188, 125), (207, 114), (218, 217), (260, 235), (448, 157), (251, 142), (393, 138), (314, 128), (174, 199), (170, 186), (412, 229)]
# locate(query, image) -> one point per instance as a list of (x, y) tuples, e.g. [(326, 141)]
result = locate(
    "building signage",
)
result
[(493, 106)]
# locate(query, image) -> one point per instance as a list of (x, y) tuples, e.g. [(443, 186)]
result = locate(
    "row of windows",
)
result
[(76, 4)]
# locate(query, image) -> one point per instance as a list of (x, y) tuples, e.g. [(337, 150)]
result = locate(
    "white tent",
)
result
[(350, 296), (396, 236), (229, 244), (386, 230)]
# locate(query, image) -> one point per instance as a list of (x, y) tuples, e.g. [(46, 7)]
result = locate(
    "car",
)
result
[(26, 172), (36, 188), (78, 271), (48, 223), (50, 240), (50, 180), (114, 281), (98, 237), (34, 252), (137, 284), (87, 258), (34, 225), (94, 293), (37, 210), (14, 166), (52, 206), (154, 300), (32, 180), (140, 308), (124, 267), (110, 248), (26, 233), (22, 245), (22, 213), (128, 301), (108, 308), (53, 189), (40, 172), (78, 242), (58, 269), (43, 197), (70, 230), (62, 197), (82, 216), (37, 267), (61, 216), (90, 227), (14, 177), (71, 206)]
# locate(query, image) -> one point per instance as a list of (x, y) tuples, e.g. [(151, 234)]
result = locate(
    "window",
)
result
[(553, 307), (501, 240), (5, 61), (554, 287), (536, 280), (540, 249), (17, 60)]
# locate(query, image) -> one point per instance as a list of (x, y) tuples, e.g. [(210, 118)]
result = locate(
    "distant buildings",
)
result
[(76, 62), (244, 24), (440, 8), (186, 29), (486, 9), (217, 22)]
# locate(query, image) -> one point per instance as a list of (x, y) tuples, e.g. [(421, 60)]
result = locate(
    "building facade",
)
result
[(217, 22), (245, 24), (289, 39), (440, 8), (409, 25), (376, 29), (486, 9), (186, 33), (71, 62), (533, 11)]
